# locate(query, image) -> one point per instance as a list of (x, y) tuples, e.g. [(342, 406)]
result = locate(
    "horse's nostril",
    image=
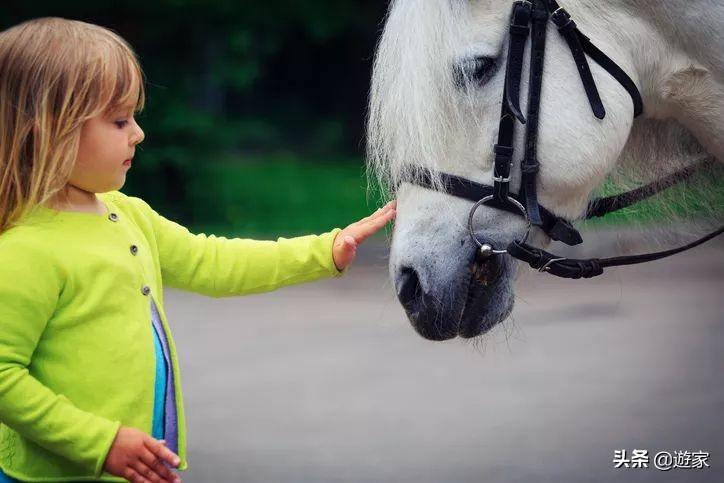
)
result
[(408, 285)]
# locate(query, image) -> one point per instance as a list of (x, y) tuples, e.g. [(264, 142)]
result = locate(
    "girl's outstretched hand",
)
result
[(139, 458), (347, 240)]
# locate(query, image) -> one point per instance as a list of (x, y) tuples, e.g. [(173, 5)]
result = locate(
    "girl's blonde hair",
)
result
[(55, 74)]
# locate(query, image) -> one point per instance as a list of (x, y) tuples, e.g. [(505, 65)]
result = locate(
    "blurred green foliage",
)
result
[(700, 197), (278, 195), (244, 99)]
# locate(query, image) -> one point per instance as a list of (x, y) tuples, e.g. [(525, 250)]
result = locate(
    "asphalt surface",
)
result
[(328, 382)]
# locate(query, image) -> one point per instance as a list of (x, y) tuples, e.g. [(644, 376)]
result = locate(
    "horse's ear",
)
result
[(695, 99)]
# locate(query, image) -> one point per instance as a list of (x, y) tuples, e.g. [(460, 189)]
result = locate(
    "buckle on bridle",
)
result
[(562, 10), (562, 18), (548, 264)]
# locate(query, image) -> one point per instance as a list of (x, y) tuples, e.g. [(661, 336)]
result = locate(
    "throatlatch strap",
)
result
[(616, 72), (591, 267), (567, 27)]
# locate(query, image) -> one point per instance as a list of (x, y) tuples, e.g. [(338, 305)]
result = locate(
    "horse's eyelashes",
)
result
[(474, 71)]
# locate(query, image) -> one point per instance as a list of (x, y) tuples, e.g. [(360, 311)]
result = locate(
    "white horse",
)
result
[(435, 102)]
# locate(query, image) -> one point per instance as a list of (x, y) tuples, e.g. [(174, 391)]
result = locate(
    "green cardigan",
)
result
[(76, 348)]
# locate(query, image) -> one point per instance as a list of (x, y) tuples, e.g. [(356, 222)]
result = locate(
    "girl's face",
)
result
[(107, 145)]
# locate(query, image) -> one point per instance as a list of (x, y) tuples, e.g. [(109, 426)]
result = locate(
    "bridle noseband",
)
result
[(530, 18)]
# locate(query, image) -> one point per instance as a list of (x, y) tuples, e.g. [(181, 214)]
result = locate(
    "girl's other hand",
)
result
[(139, 458), (346, 241)]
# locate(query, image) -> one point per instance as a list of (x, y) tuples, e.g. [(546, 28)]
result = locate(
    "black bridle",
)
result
[(530, 18)]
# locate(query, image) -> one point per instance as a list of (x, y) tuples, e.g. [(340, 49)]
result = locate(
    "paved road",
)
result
[(327, 382)]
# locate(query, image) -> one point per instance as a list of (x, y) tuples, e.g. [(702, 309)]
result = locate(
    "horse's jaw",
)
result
[(467, 306), (445, 290)]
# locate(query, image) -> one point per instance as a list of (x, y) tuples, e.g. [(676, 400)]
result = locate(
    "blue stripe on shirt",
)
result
[(159, 399)]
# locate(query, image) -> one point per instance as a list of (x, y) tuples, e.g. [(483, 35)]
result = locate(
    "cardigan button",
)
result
[(113, 217), (134, 249), (146, 290)]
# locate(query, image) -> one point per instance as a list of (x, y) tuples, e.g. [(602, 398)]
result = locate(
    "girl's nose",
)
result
[(139, 136)]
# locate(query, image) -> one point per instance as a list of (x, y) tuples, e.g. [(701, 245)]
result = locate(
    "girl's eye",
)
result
[(121, 124)]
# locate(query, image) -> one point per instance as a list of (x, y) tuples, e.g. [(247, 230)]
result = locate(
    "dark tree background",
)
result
[(255, 111)]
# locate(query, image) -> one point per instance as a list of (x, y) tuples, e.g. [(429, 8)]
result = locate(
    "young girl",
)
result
[(89, 378)]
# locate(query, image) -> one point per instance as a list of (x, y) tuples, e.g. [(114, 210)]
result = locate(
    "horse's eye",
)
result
[(474, 70)]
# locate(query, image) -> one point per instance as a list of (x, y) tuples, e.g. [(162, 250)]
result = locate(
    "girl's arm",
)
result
[(30, 285), (218, 266)]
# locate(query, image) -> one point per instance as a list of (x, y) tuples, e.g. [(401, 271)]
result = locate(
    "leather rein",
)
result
[(530, 18)]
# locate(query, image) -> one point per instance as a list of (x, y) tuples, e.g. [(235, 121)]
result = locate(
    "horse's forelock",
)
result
[(413, 100)]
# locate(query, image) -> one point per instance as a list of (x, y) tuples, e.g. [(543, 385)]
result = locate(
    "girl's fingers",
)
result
[(156, 464), (380, 211), (134, 477), (383, 212), (363, 231), (392, 205), (162, 452), (147, 473), (378, 222)]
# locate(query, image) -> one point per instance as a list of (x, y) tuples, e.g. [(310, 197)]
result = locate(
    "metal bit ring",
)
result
[(487, 250)]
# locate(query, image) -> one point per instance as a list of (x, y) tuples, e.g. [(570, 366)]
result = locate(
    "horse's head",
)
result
[(436, 103)]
